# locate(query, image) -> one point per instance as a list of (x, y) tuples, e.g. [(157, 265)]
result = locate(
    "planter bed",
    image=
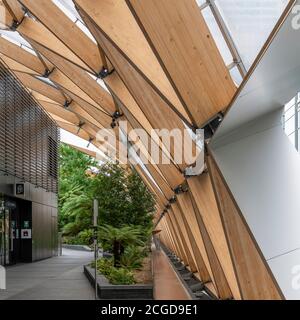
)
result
[(124, 292)]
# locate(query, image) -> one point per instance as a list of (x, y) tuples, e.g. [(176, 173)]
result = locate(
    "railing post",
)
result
[(96, 206)]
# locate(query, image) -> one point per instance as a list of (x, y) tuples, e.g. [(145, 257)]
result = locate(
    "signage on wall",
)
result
[(25, 233), (20, 189), (26, 224)]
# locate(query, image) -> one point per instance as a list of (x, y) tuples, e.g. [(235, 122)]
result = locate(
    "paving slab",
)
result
[(57, 278)]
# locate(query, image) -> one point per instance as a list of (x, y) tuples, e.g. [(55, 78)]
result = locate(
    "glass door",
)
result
[(4, 237)]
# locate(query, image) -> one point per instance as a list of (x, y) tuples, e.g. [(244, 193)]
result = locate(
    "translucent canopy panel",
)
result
[(14, 37), (74, 140), (250, 22), (217, 35), (67, 6), (200, 2)]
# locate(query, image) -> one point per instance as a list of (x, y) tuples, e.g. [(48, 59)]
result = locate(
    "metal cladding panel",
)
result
[(29, 137)]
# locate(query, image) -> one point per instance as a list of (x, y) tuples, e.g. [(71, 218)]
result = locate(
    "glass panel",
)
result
[(292, 138), (200, 2), (250, 23), (289, 125), (217, 35), (69, 138), (4, 236), (236, 76), (15, 38), (67, 6), (289, 113)]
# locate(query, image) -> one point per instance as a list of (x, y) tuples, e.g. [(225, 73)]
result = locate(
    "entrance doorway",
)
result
[(15, 232)]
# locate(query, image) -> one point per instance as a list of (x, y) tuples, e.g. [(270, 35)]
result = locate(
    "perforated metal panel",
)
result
[(29, 137)]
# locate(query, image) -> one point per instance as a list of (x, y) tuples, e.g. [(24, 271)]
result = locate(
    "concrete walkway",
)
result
[(58, 278), (167, 285)]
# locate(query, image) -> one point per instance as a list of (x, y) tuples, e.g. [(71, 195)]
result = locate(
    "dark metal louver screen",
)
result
[(29, 138)]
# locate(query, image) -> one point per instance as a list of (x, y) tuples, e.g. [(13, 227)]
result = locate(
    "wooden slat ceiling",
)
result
[(162, 71), (166, 69)]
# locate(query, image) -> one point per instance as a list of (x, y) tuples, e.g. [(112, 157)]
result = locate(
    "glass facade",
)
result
[(291, 119)]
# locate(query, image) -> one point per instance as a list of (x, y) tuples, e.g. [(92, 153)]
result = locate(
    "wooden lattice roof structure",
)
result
[(155, 64)]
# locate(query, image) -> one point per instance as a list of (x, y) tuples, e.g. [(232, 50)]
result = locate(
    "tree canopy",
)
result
[(123, 197)]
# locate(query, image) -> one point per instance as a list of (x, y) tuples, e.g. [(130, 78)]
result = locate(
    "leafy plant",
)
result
[(83, 237), (73, 183), (132, 258), (104, 266), (114, 275), (119, 238), (123, 199), (121, 276)]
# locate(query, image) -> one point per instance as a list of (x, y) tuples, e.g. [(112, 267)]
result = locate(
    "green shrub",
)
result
[(121, 276), (114, 275), (104, 266), (132, 258), (84, 237)]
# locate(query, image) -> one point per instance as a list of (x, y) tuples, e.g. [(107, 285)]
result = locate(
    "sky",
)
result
[(70, 138)]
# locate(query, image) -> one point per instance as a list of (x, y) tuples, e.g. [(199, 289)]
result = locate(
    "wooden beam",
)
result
[(207, 213), (197, 246), (80, 78), (66, 31), (16, 66), (15, 9), (169, 174), (148, 100), (176, 236), (177, 244), (33, 30), (132, 111), (40, 97), (186, 50), (80, 97), (115, 20), (181, 232), (220, 281), (41, 87), (161, 182), (60, 111), (151, 185), (21, 56), (253, 274), (74, 130)]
